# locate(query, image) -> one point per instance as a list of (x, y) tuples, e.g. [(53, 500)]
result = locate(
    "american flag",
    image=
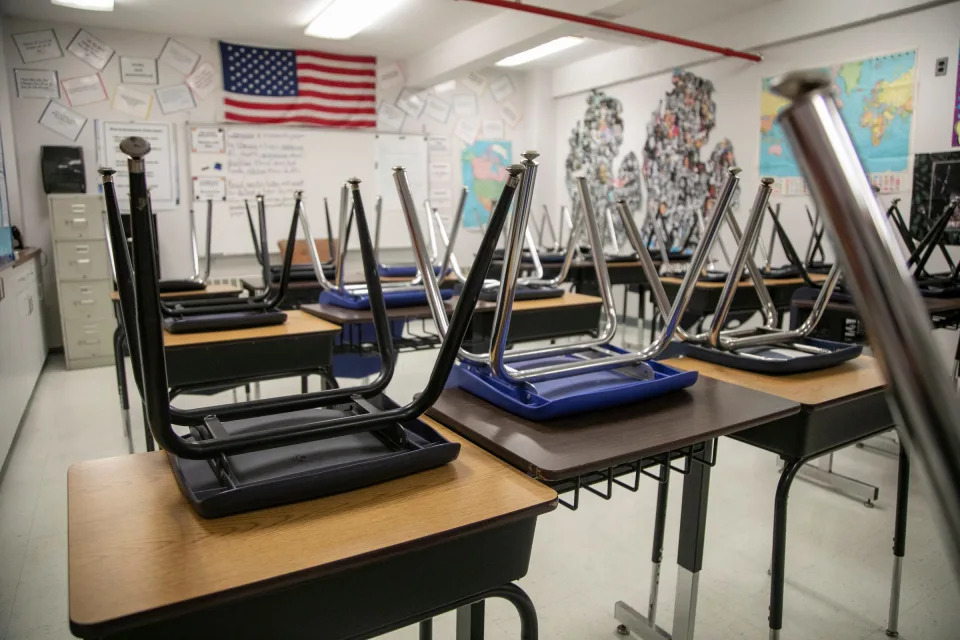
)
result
[(271, 86)]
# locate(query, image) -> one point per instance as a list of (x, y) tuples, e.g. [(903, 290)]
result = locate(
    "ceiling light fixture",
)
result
[(542, 51), (342, 19), (88, 5)]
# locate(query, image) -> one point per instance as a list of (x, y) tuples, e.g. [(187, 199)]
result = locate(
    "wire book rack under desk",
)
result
[(679, 460)]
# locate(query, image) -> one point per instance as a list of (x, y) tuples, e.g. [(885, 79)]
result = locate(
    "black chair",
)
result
[(266, 452)]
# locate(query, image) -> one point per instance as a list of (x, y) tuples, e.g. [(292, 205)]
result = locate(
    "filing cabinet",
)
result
[(84, 281)]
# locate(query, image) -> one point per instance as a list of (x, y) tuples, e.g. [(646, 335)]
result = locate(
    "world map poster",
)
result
[(485, 165), (875, 97)]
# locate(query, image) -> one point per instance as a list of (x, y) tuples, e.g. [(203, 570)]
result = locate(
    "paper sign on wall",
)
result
[(411, 103), (37, 83), (440, 172), (438, 145), (132, 102), (37, 46), (475, 82), (138, 70), (511, 114), (85, 90), (161, 162), (207, 140), (175, 98), (438, 109), (501, 88), (465, 105), (389, 117), (441, 198), (62, 120), (203, 80), (209, 188), (389, 75), (92, 50), (466, 130), (179, 57), (492, 129)]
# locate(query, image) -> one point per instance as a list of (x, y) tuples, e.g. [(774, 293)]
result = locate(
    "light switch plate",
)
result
[(942, 66)]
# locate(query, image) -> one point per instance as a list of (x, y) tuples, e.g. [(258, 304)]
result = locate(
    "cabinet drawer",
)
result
[(24, 277), (73, 220), (82, 260), (86, 300), (89, 339)]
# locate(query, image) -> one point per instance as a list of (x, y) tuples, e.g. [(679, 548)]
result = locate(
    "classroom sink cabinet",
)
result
[(84, 282), (22, 346)]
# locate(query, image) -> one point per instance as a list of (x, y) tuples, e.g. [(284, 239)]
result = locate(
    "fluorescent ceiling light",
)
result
[(445, 87), (342, 19), (89, 5), (542, 51)]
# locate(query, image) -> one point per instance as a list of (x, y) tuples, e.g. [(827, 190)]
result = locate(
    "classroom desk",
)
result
[(301, 292), (301, 345), (143, 564), (212, 291), (839, 406), (575, 452), (531, 319), (944, 314)]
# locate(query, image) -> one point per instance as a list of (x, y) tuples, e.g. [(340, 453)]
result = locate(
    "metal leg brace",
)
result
[(823, 474)]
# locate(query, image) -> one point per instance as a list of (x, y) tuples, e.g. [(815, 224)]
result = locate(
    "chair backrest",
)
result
[(301, 253)]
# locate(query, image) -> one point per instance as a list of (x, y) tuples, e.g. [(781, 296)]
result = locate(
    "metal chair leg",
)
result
[(777, 568), (899, 542), (119, 346)]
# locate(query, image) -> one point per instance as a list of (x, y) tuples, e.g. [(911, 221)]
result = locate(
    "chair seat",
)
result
[(223, 321)]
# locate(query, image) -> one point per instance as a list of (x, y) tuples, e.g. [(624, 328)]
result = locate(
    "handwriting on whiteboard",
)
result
[(265, 162)]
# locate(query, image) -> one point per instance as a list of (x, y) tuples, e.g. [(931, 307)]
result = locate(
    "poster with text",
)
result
[(484, 170)]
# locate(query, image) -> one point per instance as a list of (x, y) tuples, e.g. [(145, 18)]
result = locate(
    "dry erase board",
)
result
[(233, 163), (161, 162), (409, 152)]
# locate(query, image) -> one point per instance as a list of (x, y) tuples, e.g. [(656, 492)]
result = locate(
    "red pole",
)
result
[(613, 26)]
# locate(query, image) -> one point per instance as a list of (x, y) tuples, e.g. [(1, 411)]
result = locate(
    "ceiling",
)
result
[(413, 27)]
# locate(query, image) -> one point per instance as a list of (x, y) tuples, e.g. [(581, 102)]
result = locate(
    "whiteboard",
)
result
[(230, 163), (161, 162), (409, 152)]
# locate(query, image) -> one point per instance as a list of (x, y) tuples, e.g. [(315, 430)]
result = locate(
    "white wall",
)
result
[(932, 32), (14, 214), (21, 117)]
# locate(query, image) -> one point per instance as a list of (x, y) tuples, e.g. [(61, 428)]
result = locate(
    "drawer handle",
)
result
[(78, 221), (78, 207), (86, 291), (86, 301), (89, 342), (83, 261), (82, 248)]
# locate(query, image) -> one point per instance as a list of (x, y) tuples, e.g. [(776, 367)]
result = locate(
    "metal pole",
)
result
[(920, 389)]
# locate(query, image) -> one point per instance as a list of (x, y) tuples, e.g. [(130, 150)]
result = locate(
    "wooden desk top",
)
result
[(136, 545), (344, 316), (783, 282), (567, 447), (212, 291), (298, 323), (812, 388)]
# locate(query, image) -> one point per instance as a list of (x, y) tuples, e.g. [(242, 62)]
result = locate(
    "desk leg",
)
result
[(777, 567), (693, 522), (118, 347), (629, 618), (426, 629), (693, 528), (470, 621), (899, 542)]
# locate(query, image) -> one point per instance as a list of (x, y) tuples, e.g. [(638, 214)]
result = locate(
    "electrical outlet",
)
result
[(942, 66)]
